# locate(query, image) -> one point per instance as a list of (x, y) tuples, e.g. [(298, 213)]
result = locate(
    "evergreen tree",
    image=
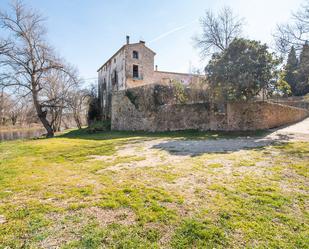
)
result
[(291, 70), (303, 71), (242, 70)]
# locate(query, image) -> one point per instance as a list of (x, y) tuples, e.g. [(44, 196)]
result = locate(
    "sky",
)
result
[(87, 32)]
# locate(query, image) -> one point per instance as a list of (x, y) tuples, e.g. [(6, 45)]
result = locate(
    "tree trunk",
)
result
[(14, 119), (77, 120), (42, 115), (59, 119)]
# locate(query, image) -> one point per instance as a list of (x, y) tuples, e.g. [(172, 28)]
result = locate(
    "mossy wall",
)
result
[(159, 108)]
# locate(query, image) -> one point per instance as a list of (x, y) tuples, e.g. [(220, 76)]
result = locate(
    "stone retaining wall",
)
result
[(299, 104), (260, 115), (145, 109)]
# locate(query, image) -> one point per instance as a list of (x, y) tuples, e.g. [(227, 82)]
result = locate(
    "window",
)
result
[(135, 54), (115, 78), (115, 60), (104, 84), (135, 71)]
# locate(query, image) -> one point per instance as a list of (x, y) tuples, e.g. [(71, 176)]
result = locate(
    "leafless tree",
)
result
[(295, 33), (28, 113), (78, 104), (4, 107), (56, 92), (14, 110), (27, 59), (9, 110), (218, 31)]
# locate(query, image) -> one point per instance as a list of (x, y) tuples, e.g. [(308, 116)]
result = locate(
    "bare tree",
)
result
[(78, 104), (4, 107), (218, 31), (56, 92), (11, 109), (26, 58), (295, 33)]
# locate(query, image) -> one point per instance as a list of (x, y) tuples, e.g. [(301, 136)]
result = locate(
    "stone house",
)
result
[(132, 66)]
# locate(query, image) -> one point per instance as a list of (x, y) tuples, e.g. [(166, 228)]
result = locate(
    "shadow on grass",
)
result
[(185, 135), (225, 143), (222, 146), (189, 142)]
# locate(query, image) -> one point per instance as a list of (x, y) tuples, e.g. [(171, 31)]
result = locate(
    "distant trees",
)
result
[(242, 70), (303, 72), (29, 66), (218, 31), (297, 71), (291, 70), (295, 33), (292, 40), (15, 111), (7, 113), (78, 102)]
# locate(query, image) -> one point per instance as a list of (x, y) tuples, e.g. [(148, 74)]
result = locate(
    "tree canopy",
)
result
[(303, 71), (291, 70), (297, 71), (242, 70)]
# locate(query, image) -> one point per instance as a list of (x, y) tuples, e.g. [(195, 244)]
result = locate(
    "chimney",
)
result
[(143, 42), (128, 39), (156, 67)]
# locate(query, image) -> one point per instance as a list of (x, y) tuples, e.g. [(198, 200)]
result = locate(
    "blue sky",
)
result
[(87, 32)]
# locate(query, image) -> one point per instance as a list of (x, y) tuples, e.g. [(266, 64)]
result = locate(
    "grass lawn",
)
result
[(109, 190)]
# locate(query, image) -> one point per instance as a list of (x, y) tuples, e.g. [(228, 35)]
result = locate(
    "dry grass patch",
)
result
[(117, 190)]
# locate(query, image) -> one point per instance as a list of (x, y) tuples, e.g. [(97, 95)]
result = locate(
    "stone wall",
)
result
[(260, 115), (171, 117), (145, 109), (295, 101)]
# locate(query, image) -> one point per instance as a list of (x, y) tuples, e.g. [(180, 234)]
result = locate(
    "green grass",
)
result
[(53, 192), (185, 134)]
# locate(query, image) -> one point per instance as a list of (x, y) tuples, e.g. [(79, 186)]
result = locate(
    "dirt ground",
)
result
[(295, 132), (163, 151)]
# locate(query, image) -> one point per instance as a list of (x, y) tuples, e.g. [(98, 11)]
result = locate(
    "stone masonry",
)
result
[(132, 66), (141, 108)]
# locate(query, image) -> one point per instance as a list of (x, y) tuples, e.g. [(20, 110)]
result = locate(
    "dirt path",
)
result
[(161, 151), (295, 132)]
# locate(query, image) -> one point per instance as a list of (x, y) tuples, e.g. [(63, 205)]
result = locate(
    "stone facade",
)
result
[(132, 66), (142, 108)]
